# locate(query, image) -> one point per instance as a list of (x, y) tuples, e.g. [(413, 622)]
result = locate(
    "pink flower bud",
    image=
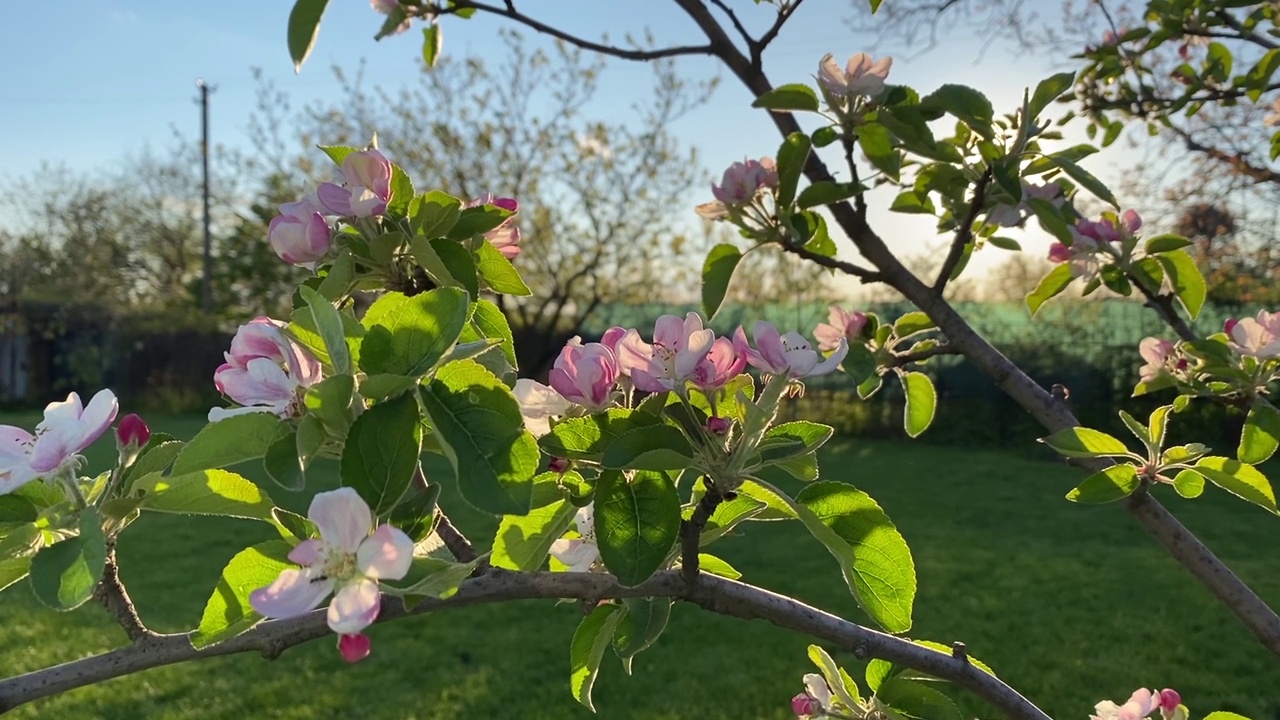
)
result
[(1170, 699), (718, 425), (559, 465), (133, 431), (354, 648), (1059, 253), (368, 186), (585, 374), (299, 239), (1229, 325), (803, 705)]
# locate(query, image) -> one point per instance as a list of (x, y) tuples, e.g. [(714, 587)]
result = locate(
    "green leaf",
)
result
[(808, 436), (63, 575), (787, 98), (914, 203), (204, 492), (1261, 434), (523, 541), (881, 671), (586, 438), (912, 323), (922, 400), (433, 215), (825, 193), (17, 509), (1085, 179), (382, 450), (835, 677), (792, 156), (478, 424), (715, 566), (776, 506), (227, 612), (1082, 442), (1156, 424), (1189, 484), (14, 569), (873, 556), (498, 272), (641, 626), (655, 447), (409, 335), (329, 324), (877, 143), (432, 577), (728, 514), (1042, 165), (637, 520), (917, 701), (432, 40), (158, 454), (447, 262), (1239, 479), (330, 402), (1049, 89), (1114, 483), (304, 26), (964, 103), (1050, 285), (1165, 243), (230, 441), (717, 270), (587, 650), (1137, 428), (488, 322), (1185, 279), (1223, 715), (282, 464)]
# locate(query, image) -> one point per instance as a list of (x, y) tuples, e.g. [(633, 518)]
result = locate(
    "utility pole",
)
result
[(206, 299)]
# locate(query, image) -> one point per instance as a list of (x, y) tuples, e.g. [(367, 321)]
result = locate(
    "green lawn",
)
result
[(1070, 604)]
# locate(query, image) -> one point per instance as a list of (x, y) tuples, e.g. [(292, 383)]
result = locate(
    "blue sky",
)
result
[(98, 80)]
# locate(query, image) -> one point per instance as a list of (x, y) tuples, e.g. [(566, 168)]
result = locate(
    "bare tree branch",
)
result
[(718, 595), (906, 358), (111, 593), (964, 233)]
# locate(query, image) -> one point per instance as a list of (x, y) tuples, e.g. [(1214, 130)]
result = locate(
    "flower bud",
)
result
[(354, 648), (718, 425), (1059, 253), (803, 705), (133, 431), (1229, 325), (559, 465), (1170, 699)]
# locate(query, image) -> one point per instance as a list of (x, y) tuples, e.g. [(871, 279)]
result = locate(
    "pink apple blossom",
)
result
[(368, 186), (787, 353), (841, 324), (611, 338), (585, 374), (1258, 337), (1160, 356), (1169, 699), (265, 371), (505, 237), (717, 425), (743, 180), (68, 428), (679, 346), (559, 465), (300, 235), (538, 404), (1059, 253), (347, 560), (816, 701), (1082, 255), (804, 706), (579, 553), (133, 431), (354, 647), (1006, 215), (1139, 705), (722, 363), (861, 76)]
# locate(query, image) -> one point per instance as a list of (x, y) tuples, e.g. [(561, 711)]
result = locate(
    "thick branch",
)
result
[(964, 233), (1238, 162), (111, 593), (691, 530), (715, 594), (511, 13)]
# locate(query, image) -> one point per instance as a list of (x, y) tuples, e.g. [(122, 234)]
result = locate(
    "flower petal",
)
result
[(386, 554), (343, 517), (307, 552), (355, 607), (293, 593)]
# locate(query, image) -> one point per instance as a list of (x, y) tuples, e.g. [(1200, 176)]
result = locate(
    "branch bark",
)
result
[(111, 593), (715, 594)]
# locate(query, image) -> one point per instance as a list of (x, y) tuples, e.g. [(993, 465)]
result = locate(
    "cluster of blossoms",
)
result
[(745, 194), (347, 560), (817, 701), (303, 233), (1092, 239), (265, 371), (1252, 342), (1142, 703), (1258, 338)]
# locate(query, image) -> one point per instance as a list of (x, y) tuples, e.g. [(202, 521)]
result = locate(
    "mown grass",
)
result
[(1070, 604)]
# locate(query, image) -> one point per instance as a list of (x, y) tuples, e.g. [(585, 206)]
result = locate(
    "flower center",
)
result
[(339, 566)]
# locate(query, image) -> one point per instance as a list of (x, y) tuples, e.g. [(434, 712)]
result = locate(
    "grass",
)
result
[(1070, 604)]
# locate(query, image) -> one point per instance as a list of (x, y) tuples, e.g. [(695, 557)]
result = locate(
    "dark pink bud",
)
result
[(803, 705), (1229, 325), (1059, 253), (354, 648), (133, 431), (718, 425), (559, 465), (1170, 699)]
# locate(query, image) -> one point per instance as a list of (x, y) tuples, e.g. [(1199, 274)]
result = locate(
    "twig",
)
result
[(691, 530), (866, 275), (511, 13), (964, 233), (111, 593), (737, 24), (1162, 303), (718, 595), (759, 46), (906, 358)]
